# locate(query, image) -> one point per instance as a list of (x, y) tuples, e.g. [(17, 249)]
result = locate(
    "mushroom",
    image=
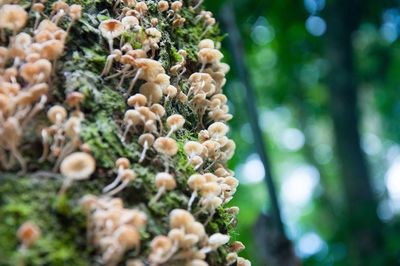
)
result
[(147, 69), (217, 130), (13, 17), (166, 146), (209, 56), (175, 122), (137, 100), (193, 150), (126, 176), (76, 166), (164, 182), (179, 218), (145, 140), (152, 91), (195, 183), (215, 241), (28, 233), (163, 6), (115, 55), (121, 165), (131, 118), (196, 262), (111, 29), (160, 247)]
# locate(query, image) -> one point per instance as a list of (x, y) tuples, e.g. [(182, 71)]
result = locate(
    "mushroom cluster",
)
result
[(62, 137), (112, 228), (26, 67), (150, 89), (176, 113), (187, 240)]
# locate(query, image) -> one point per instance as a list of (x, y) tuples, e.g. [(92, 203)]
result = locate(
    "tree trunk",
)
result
[(363, 224), (84, 223)]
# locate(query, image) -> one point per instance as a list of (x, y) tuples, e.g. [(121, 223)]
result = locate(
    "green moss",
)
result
[(62, 223)]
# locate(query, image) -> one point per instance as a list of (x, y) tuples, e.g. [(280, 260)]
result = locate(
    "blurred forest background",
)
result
[(322, 79)]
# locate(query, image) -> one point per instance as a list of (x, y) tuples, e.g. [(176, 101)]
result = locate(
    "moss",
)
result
[(62, 223)]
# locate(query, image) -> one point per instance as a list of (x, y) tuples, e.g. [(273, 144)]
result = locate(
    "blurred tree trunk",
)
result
[(363, 230), (275, 248)]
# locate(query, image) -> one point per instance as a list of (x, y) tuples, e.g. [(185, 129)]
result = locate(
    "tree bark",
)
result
[(363, 224)]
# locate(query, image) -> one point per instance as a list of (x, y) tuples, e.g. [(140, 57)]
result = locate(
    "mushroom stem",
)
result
[(108, 65), (66, 150), (38, 107), (119, 188), (209, 217), (198, 4), (133, 82), (128, 126), (203, 66), (160, 192), (192, 198), (66, 184), (145, 148), (19, 158), (113, 184)]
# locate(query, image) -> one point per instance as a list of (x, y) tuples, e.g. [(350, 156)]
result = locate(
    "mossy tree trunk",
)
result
[(32, 195)]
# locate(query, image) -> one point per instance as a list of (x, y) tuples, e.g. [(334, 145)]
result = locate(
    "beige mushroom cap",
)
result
[(179, 218), (166, 146), (78, 166), (28, 233), (165, 180), (111, 28), (13, 17), (216, 240)]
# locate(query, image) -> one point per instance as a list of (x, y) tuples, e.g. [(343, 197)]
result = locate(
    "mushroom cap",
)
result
[(210, 189), (75, 98), (166, 146), (218, 239), (206, 43), (137, 100), (122, 163), (196, 228), (193, 148), (158, 109), (209, 56), (147, 137), (151, 68), (72, 127), (160, 242), (111, 28), (180, 218), (128, 236), (163, 6), (56, 113), (165, 180), (75, 11), (170, 91), (133, 117), (196, 181), (176, 6), (130, 21), (152, 91), (196, 262), (176, 235), (154, 34), (28, 233), (146, 113), (175, 121), (78, 166), (128, 175), (13, 17), (218, 130)]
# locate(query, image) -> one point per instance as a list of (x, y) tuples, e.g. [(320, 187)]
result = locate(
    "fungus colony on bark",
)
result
[(27, 65)]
